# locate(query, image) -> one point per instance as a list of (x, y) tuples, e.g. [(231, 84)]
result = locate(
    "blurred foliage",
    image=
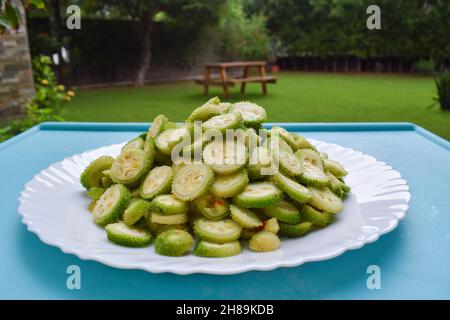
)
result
[(10, 15), (424, 67), (443, 90), (46, 103)]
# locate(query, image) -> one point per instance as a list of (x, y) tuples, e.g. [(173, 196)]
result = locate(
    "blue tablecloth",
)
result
[(414, 259)]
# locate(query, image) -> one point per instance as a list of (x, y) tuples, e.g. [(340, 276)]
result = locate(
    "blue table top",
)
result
[(414, 258)]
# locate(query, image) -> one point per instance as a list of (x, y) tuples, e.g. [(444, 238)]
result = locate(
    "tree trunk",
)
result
[(146, 48), (56, 29)]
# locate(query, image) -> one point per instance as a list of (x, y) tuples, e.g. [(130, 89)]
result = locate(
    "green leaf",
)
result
[(38, 4), (12, 15)]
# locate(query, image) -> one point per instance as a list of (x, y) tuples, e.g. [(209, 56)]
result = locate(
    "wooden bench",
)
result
[(222, 78)]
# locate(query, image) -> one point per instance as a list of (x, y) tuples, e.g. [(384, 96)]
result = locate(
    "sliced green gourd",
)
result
[(346, 188), (294, 189), (158, 125), (336, 185), (325, 199), (210, 109), (317, 218), (264, 241), (312, 168), (157, 228), (217, 231), (284, 134), (212, 207), (290, 164), (252, 139), (95, 193), (225, 158), (136, 209), (335, 168), (245, 218), (136, 143), (302, 143), (216, 250), (158, 181), (173, 243), (127, 236), (246, 234), (167, 204), (111, 204), (169, 138), (130, 166), (251, 113), (260, 164), (229, 185), (92, 206), (223, 122), (271, 225), (192, 181), (283, 211), (295, 230), (258, 195), (92, 175), (179, 218), (107, 182)]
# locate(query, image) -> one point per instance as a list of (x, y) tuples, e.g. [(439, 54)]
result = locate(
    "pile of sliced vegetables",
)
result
[(255, 186)]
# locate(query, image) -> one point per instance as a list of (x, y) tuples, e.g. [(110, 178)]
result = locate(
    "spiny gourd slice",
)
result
[(271, 225), (290, 164), (284, 134), (136, 143), (158, 181), (317, 218), (301, 142), (192, 181), (111, 204), (173, 243), (92, 206), (136, 209), (325, 200), (158, 125), (336, 185), (95, 193), (283, 211), (158, 228), (167, 204), (295, 230), (251, 113), (245, 218), (246, 234), (92, 175), (345, 187), (217, 231), (127, 236), (106, 182), (264, 241), (258, 195), (277, 145), (179, 218), (310, 156), (312, 168), (195, 148), (212, 207), (335, 168), (252, 139), (210, 109), (130, 166), (149, 149), (223, 122), (294, 189), (229, 185), (216, 250), (260, 164), (167, 139), (225, 158)]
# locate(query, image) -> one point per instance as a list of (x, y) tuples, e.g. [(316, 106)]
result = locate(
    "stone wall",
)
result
[(16, 78)]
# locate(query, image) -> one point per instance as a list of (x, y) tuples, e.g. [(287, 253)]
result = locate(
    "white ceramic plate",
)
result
[(53, 206)]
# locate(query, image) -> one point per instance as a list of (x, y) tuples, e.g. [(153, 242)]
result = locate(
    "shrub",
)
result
[(443, 90), (46, 103), (424, 67)]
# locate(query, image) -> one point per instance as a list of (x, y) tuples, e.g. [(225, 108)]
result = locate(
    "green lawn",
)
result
[(298, 97)]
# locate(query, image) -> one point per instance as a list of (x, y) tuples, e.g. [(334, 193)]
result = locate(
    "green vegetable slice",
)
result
[(215, 250), (95, 193), (225, 158), (294, 189), (302, 143), (158, 228), (212, 207), (295, 230), (136, 143), (223, 122), (169, 138), (264, 241), (127, 236), (192, 181), (284, 134), (258, 195), (336, 185), (167, 204), (260, 164), (173, 243), (246, 234), (290, 164), (251, 113), (245, 218), (283, 211), (157, 127), (335, 168), (217, 231), (325, 200), (271, 225), (312, 167), (111, 204), (137, 208), (92, 175), (317, 218), (229, 185), (210, 109), (158, 181), (179, 218), (130, 166)]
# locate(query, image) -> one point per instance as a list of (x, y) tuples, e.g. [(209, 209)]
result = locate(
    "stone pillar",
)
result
[(16, 77)]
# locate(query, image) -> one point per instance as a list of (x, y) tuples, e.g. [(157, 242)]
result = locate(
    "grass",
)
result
[(298, 97)]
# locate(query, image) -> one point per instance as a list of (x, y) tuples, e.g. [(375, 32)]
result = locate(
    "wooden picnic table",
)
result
[(225, 80)]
